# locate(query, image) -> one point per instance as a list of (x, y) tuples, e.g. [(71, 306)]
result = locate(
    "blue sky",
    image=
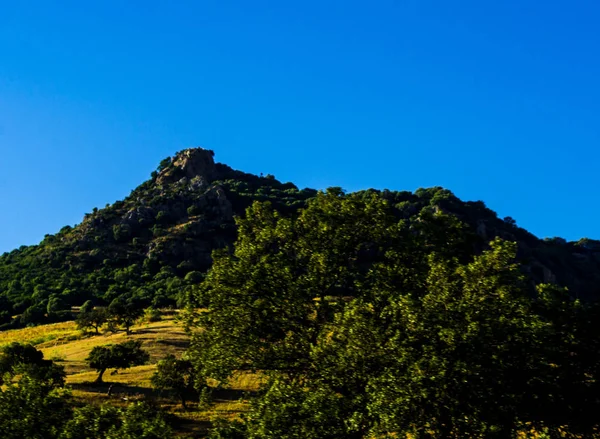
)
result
[(497, 101)]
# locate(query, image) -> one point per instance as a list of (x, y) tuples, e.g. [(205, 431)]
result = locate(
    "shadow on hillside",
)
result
[(117, 390), (223, 395), (174, 343), (188, 426), (154, 329), (120, 390)]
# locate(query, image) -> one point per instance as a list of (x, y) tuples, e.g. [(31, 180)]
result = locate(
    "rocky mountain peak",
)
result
[(196, 162), (190, 163)]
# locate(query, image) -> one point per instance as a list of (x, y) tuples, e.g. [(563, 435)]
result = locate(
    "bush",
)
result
[(152, 314), (32, 409), (33, 315), (162, 217), (138, 420), (121, 232), (17, 358)]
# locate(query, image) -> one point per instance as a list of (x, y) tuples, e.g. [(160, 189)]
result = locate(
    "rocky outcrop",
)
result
[(190, 163), (196, 162), (194, 237), (138, 215), (220, 204)]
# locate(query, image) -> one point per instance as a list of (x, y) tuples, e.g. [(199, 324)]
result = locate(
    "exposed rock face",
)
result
[(194, 237), (134, 216), (196, 162), (222, 206), (191, 163)]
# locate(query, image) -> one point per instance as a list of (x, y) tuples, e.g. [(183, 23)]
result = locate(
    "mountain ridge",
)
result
[(157, 242)]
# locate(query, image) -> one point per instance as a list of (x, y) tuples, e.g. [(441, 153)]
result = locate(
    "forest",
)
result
[(374, 314)]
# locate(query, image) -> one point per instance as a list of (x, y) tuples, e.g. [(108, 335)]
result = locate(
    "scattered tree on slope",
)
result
[(119, 356)]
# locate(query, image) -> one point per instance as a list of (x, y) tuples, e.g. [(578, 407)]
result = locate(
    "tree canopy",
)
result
[(118, 356), (17, 358), (364, 325), (176, 375)]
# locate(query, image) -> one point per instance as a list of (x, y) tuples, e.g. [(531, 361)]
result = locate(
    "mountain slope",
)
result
[(157, 242)]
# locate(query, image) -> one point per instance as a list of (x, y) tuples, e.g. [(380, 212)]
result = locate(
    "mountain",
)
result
[(156, 243)]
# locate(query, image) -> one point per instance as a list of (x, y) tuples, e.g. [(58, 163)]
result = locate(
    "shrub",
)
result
[(152, 314)]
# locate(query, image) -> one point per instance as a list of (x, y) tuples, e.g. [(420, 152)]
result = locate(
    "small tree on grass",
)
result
[(176, 375), (92, 319), (124, 311), (118, 356)]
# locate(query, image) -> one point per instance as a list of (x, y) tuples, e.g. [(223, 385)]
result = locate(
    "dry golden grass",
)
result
[(65, 344), (158, 338), (56, 332)]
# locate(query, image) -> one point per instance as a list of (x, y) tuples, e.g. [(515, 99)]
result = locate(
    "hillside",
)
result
[(156, 244), (320, 315), (68, 347)]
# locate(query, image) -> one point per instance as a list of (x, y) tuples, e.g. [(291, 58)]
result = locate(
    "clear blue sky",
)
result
[(496, 100)]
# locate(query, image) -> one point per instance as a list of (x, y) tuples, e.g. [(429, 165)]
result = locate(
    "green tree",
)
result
[(136, 421), (92, 319), (572, 356), (119, 356), (121, 232), (34, 315), (91, 421), (125, 311), (31, 408), (366, 326), (140, 420), (164, 164), (55, 304), (5, 310), (17, 358), (463, 355), (458, 355), (86, 307), (269, 300), (176, 375)]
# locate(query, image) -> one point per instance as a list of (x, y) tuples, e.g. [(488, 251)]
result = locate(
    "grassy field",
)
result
[(59, 332), (65, 344)]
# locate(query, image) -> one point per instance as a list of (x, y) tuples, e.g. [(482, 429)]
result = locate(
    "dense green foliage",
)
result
[(17, 358), (35, 405), (30, 409), (176, 375), (137, 421), (368, 326)]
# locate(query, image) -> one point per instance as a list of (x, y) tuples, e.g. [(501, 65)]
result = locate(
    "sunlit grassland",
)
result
[(56, 332), (68, 346)]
